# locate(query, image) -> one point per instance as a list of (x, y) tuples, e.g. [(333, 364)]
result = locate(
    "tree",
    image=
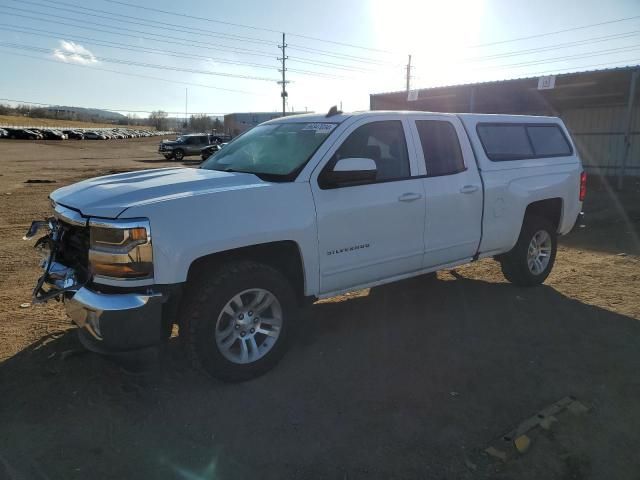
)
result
[(158, 119), (200, 123)]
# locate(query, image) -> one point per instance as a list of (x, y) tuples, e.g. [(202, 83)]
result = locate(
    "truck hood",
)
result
[(110, 196)]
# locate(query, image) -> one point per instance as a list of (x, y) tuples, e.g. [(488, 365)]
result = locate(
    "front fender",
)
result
[(187, 228)]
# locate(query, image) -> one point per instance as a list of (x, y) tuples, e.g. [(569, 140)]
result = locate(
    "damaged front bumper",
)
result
[(109, 322)]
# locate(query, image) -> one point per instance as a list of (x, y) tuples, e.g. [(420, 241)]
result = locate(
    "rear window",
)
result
[(520, 141)]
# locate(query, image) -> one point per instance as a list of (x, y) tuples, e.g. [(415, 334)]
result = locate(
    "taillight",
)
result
[(583, 186)]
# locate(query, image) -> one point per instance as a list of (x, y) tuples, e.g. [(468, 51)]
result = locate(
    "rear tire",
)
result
[(530, 262), (226, 327)]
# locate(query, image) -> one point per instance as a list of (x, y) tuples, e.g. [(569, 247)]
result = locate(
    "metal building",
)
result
[(599, 107), (237, 123)]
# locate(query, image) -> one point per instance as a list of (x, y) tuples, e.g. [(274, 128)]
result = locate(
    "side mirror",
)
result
[(349, 171)]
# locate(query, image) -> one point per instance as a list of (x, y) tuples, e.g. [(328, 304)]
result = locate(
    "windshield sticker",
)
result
[(320, 127)]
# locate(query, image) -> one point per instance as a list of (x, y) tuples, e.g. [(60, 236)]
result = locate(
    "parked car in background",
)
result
[(50, 134), (221, 138), (94, 136), (34, 133), (3, 133), (184, 146), (38, 133), (74, 134), (23, 134), (209, 150)]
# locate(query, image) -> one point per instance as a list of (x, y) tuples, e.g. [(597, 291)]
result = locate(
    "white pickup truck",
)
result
[(299, 208)]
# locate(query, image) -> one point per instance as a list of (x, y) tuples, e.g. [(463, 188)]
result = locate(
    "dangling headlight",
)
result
[(121, 249)]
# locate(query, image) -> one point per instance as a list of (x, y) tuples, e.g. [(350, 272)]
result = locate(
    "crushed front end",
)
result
[(103, 272)]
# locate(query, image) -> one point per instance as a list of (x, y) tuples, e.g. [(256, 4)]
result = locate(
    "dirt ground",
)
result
[(410, 380)]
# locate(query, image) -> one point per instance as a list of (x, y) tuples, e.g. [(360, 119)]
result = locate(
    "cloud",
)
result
[(74, 53)]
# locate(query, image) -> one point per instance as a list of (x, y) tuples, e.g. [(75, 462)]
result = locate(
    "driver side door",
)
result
[(371, 231)]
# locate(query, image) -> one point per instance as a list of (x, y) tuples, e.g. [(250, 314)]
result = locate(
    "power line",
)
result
[(135, 48), (341, 56), (324, 52), (345, 67), (124, 46), (148, 77), (238, 50), (557, 46), (605, 64), (137, 64), (528, 37), (126, 4), (597, 53), (162, 38), (154, 24), (539, 35), (320, 63), (191, 43), (332, 65)]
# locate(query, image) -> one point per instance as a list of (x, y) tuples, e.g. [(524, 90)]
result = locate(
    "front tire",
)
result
[(530, 262), (236, 320), (178, 155)]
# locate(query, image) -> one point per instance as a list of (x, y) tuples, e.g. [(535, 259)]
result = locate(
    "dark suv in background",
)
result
[(185, 146)]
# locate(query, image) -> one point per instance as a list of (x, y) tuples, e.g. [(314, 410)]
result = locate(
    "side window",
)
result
[(441, 147), (383, 142), (548, 140), (505, 142), (191, 140), (523, 141)]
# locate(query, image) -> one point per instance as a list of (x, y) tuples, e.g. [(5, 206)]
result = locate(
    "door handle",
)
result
[(409, 197), (469, 189)]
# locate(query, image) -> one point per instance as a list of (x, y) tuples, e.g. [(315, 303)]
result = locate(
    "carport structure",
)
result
[(600, 108)]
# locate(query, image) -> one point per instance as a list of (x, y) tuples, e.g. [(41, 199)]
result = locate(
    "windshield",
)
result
[(279, 149)]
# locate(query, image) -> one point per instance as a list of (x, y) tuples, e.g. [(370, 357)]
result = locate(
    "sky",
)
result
[(221, 57)]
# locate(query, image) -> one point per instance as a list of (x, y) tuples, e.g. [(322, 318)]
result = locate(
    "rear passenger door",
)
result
[(453, 189)]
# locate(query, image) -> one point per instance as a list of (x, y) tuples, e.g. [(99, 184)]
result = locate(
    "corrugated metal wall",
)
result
[(599, 135)]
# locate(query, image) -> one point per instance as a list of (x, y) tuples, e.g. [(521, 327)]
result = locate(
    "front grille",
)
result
[(73, 250)]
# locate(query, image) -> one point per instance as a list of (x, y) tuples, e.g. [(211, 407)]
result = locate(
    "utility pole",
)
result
[(186, 103), (284, 81), (409, 75)]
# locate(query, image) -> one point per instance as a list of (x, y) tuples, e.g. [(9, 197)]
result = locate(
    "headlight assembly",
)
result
[(121, 249)]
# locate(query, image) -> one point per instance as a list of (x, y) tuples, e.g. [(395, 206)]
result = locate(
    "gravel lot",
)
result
[(410, 380)]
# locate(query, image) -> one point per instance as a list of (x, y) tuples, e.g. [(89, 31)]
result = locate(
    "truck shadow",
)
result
[(385, 383)]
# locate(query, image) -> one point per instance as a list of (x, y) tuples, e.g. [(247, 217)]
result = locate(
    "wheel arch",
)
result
[(549, 209), (284, 256)]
